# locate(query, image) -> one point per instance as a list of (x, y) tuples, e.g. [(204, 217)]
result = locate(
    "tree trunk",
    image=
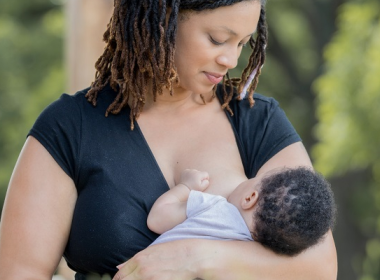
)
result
[(86, 22)]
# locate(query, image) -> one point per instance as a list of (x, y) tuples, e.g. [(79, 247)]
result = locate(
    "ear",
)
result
[(250, 200)]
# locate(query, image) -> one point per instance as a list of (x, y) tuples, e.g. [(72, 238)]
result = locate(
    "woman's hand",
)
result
[(168, 261)]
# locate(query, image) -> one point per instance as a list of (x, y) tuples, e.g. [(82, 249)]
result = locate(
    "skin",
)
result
[(41, 197), (36, 216), (218, 40)]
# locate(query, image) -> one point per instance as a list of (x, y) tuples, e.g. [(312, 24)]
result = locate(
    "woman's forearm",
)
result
[(249, 260), (226, 260)]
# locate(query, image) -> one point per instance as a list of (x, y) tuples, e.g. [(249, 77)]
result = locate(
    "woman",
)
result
[(84, 184)]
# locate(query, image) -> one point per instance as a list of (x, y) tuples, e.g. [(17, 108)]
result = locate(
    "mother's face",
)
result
[(209, 43)]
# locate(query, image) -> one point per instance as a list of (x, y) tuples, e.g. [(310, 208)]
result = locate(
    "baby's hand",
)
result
[(194, 179)]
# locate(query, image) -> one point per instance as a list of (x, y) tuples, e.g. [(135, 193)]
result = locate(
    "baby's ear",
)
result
[(250, 200)]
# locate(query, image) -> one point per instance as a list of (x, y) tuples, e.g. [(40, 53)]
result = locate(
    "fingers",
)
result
[(195, 179), (204, 176), (167, 261), (125, 269), (205, 183), (203, 179)]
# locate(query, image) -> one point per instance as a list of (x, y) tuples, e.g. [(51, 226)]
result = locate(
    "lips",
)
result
[(214, 78)]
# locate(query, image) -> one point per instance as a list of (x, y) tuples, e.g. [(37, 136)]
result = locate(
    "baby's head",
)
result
[(287, 210), (294, 210)]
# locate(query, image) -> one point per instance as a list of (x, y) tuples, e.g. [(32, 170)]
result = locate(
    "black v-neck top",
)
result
[(117, 177)]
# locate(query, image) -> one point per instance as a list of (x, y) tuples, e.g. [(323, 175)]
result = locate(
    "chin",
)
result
[(203, 88), (199, 89)]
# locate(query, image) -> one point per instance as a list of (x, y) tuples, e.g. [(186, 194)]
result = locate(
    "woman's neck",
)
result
[(181, 99)]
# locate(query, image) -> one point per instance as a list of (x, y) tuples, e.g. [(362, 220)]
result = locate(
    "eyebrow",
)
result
[(233, 32)]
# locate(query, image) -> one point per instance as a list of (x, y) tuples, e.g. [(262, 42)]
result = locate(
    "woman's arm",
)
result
[(316, 263), (221, 260), (294, 155), (37, 216), (226, 260)]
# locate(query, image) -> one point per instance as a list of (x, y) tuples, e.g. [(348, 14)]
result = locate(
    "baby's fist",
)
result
[(194, 179)]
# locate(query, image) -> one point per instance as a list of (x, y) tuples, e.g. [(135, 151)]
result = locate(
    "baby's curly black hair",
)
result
[(294, 211)]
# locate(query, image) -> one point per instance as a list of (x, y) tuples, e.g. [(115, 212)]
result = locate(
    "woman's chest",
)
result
[(218, 156), (208, 144)]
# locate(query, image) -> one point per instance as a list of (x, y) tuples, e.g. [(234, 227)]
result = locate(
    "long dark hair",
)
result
[(140, 45)]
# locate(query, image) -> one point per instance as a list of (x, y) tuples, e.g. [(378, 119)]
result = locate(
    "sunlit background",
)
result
[(323, 66)]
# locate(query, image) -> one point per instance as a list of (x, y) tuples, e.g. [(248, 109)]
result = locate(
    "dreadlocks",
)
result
[(140, 46)]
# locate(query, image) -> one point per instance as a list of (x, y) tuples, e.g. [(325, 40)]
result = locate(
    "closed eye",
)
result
[(215, 42)]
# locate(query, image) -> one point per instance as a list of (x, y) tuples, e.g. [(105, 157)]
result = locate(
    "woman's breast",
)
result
[(109, 221), (220, 159)]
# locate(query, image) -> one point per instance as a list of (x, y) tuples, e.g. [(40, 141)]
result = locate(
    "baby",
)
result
[(286, 210)]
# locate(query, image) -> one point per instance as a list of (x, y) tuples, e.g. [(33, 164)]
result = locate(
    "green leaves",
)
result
[(349, 93), (349, 117), (31, 72)]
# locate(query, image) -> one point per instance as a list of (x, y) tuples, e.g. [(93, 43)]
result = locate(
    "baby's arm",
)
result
[(169, 209)]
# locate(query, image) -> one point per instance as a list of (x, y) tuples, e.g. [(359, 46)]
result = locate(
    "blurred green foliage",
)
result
[(31, 72), (348, 111), (292, 63)]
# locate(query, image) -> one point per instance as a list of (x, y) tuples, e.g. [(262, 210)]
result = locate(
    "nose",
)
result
[(229, 58)]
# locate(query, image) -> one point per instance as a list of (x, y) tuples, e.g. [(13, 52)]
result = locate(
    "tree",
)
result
[(31, 71), (348, 128)]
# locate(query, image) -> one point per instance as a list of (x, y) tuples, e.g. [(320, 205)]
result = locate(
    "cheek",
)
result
[(188, 60), (194, 49), (181, 62)]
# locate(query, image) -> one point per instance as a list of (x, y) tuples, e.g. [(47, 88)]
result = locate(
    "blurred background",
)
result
[(323, 66)]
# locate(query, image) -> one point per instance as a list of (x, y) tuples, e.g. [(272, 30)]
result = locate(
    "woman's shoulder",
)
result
[(73, 105), (263, 106), (67, 104), (67, 122), (68, 113), (104, 97), (263, 100)]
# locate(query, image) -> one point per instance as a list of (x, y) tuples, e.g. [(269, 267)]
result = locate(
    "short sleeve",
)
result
[(58, 129), (277, 133), (261, 131), (199, 202)]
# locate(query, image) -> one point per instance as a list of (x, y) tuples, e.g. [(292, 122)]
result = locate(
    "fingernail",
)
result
[(120, 265)]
